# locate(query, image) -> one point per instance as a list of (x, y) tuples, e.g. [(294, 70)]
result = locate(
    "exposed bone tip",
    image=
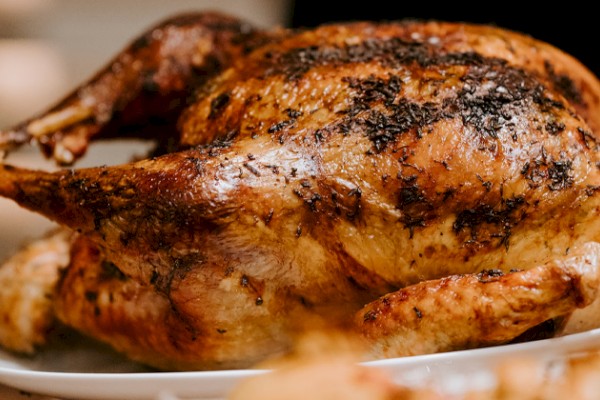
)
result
[(58, 120), (63, 155)]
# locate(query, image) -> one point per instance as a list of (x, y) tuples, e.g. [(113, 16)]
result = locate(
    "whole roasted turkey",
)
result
[(427, 186)]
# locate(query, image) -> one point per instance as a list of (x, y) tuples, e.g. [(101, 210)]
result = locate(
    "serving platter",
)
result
[(80, 369)]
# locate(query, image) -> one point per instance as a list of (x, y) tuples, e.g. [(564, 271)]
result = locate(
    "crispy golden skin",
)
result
[(313, 172)]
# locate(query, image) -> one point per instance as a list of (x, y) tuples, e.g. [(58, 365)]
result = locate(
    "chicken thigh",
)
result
[(301, 175)]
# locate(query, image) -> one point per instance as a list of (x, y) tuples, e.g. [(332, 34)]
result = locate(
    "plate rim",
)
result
[(68, 384)]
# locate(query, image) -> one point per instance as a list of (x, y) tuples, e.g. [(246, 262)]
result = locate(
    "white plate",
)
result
[(83, 370), (77, 368)]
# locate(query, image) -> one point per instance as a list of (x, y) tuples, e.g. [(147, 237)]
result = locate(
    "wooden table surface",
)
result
[(7, 393)]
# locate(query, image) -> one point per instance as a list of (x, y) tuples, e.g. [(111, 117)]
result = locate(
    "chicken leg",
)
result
[(489, 308), (142, 91)]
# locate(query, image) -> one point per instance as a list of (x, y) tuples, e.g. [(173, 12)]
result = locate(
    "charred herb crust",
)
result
[(490, 98), (564, 84), (390, 52), (486, 222), (492, 92), (544, 168), (381, 113)]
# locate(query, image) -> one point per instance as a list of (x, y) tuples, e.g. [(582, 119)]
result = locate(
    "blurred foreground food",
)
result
[(325, 368)]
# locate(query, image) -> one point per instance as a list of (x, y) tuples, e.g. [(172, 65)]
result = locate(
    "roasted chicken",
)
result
[(433, 173)]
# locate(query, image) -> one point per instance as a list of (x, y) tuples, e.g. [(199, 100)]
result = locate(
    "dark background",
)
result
[(571, 26)]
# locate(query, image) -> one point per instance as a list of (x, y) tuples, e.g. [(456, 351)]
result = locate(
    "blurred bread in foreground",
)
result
[(320, 367), (327, 367)]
